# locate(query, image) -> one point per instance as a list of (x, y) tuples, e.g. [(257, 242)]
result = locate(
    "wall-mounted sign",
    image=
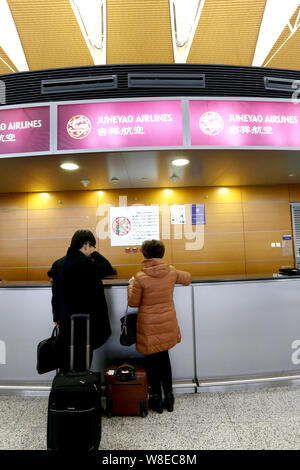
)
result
[(244, 123), (134, 224), (119, 124), (24, 130), (178, 214), (198, 214)]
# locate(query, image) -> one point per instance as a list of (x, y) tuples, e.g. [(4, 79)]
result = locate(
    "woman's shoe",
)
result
[(169, 401), (155, 403)]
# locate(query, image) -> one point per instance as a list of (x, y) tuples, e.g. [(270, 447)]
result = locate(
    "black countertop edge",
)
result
[(125, 282)]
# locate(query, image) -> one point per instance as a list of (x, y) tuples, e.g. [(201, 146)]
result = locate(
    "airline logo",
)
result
[(79, 126), (211, 123)]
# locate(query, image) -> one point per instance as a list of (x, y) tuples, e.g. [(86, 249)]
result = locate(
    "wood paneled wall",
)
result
[(241, 224)]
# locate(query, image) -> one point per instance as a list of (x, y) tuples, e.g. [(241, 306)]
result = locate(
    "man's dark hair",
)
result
[(81, 237), (153, 249)]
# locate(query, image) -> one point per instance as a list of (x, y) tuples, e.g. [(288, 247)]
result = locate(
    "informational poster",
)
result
[(119, 124), (134, 224), (198, 214), (286, 246), (244, 123), (178, 214), (24, 130)]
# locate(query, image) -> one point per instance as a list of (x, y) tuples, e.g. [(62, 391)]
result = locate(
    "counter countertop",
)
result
[(195, 280)]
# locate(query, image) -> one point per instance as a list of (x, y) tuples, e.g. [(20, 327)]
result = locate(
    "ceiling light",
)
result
[(180, 162), (185, 15), (184, 21), (10, 40), (91, 18), (114, 180), (69, 166), (291, 174)]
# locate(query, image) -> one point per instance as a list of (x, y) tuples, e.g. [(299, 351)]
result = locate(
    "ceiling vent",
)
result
[(66, 85), (282, 84), (166, 80)]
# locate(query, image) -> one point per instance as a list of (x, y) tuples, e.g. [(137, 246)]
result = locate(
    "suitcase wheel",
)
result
[(109, 407), (143, 409)]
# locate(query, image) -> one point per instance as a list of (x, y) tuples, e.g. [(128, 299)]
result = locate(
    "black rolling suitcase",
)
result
[(74, 409)]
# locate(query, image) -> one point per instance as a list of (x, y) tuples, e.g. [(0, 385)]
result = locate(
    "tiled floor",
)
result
[(261, 419)]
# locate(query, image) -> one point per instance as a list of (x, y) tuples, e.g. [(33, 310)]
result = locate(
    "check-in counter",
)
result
[(246, 328), (26, 319), (233, 327)]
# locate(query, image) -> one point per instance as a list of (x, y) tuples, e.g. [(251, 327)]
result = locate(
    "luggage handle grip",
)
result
[(122, 366), (88, 346)]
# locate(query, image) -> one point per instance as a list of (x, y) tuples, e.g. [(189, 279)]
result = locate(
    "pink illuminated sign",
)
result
[(24, 130), (244, 123), (119, 124)]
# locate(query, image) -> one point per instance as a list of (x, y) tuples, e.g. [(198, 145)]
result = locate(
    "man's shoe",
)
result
[(169, 401), (155, 403)]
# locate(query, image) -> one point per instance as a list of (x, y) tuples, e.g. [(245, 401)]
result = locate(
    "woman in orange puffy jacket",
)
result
[(157, 328)]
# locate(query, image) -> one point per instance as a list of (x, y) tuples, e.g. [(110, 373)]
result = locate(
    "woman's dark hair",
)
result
[(81, 237), (153, 249)]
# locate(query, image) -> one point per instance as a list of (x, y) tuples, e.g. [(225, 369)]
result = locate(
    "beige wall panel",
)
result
[(14, 274), (217, 247), (44, 252), (258, 246), (267, 267), (118, 256), (278, 193), (60, 200), (223, 218), (170, 196), (138, 32), (201, 195), (126, 272), (60, 222), (212, 269), (38, 274), (267, 216), (13, 253), (46, 46), (13, 201), (294, 192), (13, 224)]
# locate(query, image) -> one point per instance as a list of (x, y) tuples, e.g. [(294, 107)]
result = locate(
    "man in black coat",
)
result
[(77, 288)]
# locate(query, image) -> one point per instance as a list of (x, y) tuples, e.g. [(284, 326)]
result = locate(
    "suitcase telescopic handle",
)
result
[(88, 346)]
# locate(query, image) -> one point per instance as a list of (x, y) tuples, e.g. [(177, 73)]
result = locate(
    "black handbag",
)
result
[(48, 356), (128, 329)]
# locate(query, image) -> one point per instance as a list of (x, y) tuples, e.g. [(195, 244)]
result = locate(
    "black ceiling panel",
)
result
[(220, 80)]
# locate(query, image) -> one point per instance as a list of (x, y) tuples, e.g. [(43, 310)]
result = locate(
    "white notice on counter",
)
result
[(178, 214), (134, 224)]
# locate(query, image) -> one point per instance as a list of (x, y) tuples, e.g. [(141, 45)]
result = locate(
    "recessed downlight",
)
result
[(69, 166), (180, 162)]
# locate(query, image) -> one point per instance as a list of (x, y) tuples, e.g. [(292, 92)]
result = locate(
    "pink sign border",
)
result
[(236, 147), (51, 150), (185, 135)]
